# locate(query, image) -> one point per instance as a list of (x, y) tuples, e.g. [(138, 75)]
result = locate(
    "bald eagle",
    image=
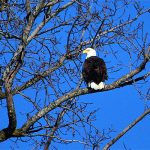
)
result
[(94, 70)]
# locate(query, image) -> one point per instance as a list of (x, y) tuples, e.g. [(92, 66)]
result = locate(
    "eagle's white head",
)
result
[(90, 52)]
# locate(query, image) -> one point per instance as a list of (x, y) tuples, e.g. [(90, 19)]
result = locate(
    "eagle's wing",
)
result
[(100, 69)]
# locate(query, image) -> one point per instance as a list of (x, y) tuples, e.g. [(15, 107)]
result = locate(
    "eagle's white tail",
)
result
[(94, 86)]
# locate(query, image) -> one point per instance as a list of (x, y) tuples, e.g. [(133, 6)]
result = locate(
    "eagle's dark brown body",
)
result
[(94, 70)]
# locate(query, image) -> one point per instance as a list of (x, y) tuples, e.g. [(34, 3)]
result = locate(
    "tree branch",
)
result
[(129, 127), (78, 92), (41, 25), (54, 129)]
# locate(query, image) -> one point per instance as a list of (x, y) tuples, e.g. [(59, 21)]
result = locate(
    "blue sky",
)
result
[(117, 109)]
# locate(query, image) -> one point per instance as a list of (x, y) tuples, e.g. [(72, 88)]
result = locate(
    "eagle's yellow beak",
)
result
[(85, 51)]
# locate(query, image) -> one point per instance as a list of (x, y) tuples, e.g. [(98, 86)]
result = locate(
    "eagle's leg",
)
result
[(94, 86), (89, 84), (101, 85)]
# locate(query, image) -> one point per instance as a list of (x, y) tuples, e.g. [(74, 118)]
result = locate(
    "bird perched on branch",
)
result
[(94, 70)]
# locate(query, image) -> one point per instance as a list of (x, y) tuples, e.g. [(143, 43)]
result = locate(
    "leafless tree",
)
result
[(41, 43)]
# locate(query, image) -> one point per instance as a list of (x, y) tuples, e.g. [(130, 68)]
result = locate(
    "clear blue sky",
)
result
[(117, 109)]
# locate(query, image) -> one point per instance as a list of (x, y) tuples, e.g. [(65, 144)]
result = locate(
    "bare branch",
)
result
[(41, 25), (40, 50), (78, 92), (129, 127)]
